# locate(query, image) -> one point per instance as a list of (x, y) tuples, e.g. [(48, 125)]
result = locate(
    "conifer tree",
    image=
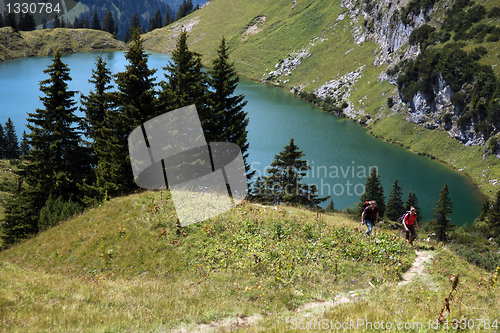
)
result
[(168, 17), (285, 174), (229, 120), (86, 23), (441, 225), (56, 161), (108, 23), (11, 143), (136, 104), (395, 206), (96, 24), (11, 21), (135, 24), (186, 84), (2, 142), (98, 106), (2, 24), (412, 201), (24, 147), (374, 191), (56, 23)]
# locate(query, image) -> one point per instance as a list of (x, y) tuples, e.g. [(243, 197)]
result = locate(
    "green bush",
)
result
[(55, 211)]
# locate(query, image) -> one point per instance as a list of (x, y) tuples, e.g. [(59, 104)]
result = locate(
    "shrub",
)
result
[(55, 211)]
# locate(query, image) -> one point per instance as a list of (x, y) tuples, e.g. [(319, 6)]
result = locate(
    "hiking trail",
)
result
[(417, 269)]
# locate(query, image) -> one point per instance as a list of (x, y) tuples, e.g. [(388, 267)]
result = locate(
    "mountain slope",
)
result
[(45, 42), (343, 52), (125, 266)]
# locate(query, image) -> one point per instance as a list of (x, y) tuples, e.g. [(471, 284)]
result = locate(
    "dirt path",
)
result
[(416, 270)]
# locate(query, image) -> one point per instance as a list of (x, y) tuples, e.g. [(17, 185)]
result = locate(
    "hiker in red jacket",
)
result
[(370, 216), (410, 222)]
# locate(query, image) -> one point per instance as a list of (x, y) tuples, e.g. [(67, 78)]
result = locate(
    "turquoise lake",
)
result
[(339, 151)]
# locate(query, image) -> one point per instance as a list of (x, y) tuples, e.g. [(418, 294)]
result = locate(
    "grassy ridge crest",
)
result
[(45, 42)]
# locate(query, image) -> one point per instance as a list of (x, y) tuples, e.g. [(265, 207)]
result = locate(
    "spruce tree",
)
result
[(2, 142), (135, 24), (56, 161), (374, 191), (229, 120), (136, 104), (11, 143), (108, 23), (2, 24), (441, 225), (56, 23), (96, 24), (99, 106), (86, 23), (490, 213), (168, 17), (24, 147), (285, 174), (412, 201), (395, 206), (186, 84), (11, 21)]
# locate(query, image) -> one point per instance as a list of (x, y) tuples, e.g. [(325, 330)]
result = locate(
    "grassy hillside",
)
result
[(321, 39), (126, 267), (45, 42)]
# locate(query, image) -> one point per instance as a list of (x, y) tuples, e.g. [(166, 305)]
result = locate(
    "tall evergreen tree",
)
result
[(56, 162), (441, 225), (86, 23), (229, 120), (136, 101), (285, 174), (395, 206), (2, 142), (96, 23), (24, 147), (11, 143), (135, 24), (156, 21), (108, 23), (186, 84), (168, 17), (56, 23), (99, 106), (374, 191), (76, 23), (2, 24), (11, 21), (412, 201)]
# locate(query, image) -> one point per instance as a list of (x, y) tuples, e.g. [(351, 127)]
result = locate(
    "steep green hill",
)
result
[(126, 267), (347, 52), (45, 42)]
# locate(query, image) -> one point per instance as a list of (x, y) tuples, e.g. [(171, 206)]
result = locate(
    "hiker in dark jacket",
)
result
[(410, 222), (370, 216)]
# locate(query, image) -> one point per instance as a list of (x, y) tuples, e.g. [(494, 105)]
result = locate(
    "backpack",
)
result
[(367, 204), (402, 218)]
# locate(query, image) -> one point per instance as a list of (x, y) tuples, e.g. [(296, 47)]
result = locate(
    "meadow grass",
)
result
[(127, 266)]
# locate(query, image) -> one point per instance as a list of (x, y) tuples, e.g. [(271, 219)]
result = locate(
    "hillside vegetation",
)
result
[(45, 42), (126, 266), (343, 54)]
